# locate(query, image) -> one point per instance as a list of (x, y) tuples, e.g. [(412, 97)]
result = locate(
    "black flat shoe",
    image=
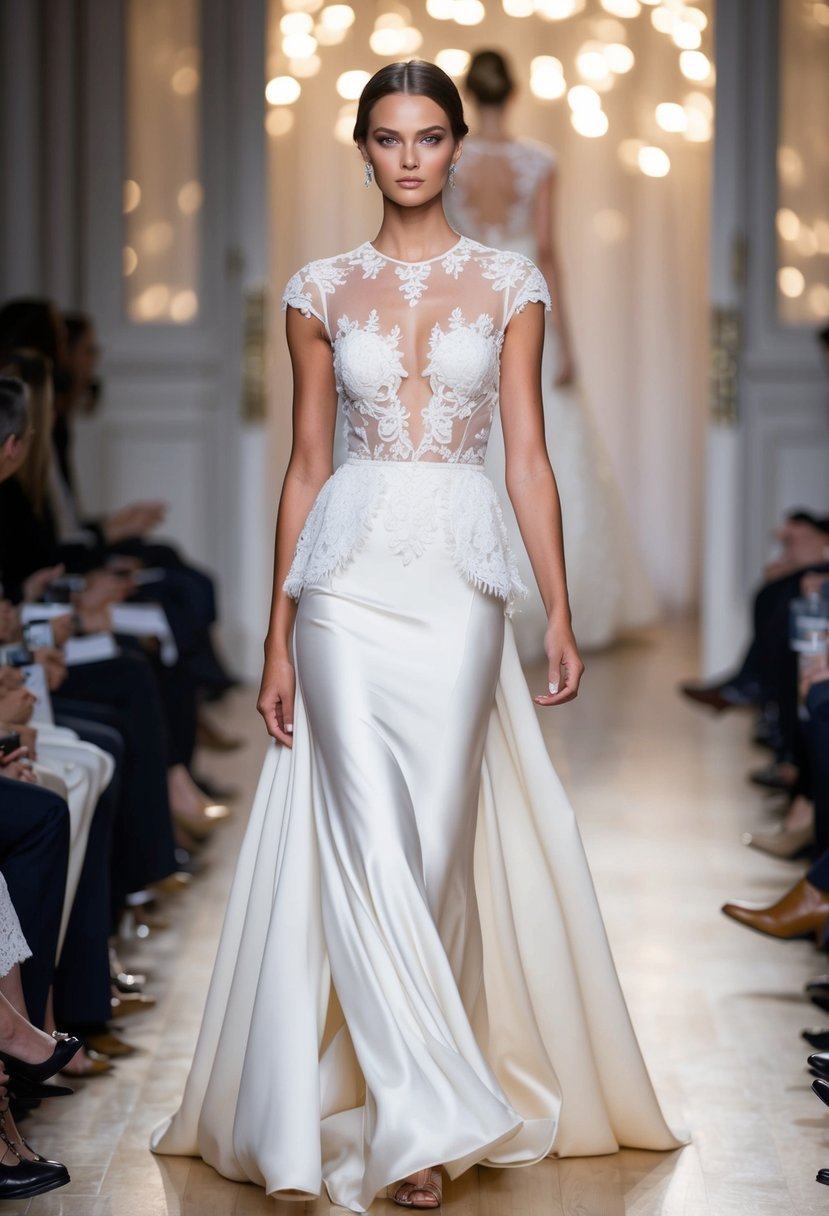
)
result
[(821, 999), (819, 1039), (31, 1178), (821, 1088), (66, 1047), (818, 983), (822, 1176)]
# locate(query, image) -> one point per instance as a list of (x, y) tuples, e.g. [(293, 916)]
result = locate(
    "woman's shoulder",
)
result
[(494, 259), (517, 277), (307, 287)]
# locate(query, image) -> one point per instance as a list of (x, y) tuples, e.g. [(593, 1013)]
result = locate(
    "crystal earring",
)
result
[(368, 175), (452, 169)]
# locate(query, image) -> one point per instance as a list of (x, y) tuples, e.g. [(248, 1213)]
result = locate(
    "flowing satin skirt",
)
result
[(413, 968), (610, 591)]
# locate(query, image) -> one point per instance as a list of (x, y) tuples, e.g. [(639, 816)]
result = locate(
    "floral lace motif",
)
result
[(418, 505), (13, 947)]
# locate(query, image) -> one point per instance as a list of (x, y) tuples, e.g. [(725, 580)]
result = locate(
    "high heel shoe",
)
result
[(787, 844), (30, 1093), (420, 1190), (21, 1070), (29, 1177), (202, 825)]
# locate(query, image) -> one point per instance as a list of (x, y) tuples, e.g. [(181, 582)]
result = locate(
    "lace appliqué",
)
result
[(337, 526), (13, 946), (463, 376), (417, 505), (413, 280), (326, 275), (368, 369)]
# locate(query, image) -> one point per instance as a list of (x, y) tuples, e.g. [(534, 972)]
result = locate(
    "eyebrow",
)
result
[(436, 126)]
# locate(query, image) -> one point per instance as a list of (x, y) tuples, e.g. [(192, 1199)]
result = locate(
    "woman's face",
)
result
[(410, 147)]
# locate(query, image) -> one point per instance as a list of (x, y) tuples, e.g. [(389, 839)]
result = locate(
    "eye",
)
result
[(386, 141), (432, 139)]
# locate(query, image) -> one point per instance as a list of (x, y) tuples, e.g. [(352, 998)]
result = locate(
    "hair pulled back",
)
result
[(415, 77), (489, 79)]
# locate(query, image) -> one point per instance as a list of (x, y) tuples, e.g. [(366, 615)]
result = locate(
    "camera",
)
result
[(37, 634), (61, 590), (9, 742), (15, 655)]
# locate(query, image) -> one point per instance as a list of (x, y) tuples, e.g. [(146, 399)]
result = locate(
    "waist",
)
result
[(361, 462)]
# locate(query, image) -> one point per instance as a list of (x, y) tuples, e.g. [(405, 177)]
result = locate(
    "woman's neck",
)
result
[(414, 234), (492, 123)]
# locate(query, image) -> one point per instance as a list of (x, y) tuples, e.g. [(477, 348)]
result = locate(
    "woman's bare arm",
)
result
[(531, 486), (310, 465), (544, 220)]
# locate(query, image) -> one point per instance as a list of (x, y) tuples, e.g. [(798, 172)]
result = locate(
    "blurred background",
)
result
[(168, 164)]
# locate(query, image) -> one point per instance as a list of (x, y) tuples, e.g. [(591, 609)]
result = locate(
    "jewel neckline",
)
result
[(422, 261)]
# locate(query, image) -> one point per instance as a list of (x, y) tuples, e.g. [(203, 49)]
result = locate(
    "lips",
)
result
[(410, 181)]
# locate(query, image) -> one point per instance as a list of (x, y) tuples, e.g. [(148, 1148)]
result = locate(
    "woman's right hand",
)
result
[(276, 700)]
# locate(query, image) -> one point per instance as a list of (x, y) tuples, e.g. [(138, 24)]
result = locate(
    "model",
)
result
[(413, 972), (505, 196)]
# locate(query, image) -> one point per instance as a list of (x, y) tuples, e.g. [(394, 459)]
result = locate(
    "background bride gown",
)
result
[(413, 968), (494, 201)]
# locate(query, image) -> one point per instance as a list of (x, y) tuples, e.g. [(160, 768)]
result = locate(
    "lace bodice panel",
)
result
[(417, 345), (495, 188)]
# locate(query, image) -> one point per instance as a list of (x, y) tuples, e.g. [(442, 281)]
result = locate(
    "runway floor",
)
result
[(662, 799)]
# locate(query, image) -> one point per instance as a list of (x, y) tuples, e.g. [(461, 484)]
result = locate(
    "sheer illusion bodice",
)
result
[(417, 345), (416, 355)]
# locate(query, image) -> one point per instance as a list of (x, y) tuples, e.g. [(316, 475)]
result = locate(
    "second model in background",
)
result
[(504, 196)]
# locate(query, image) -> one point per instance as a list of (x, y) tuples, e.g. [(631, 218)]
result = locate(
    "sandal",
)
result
[(420, 1190)]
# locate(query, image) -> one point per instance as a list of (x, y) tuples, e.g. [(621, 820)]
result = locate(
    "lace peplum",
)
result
[(416, 353), (417, 506)]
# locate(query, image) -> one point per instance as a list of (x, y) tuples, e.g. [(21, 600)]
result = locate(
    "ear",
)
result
[(456, 155), (362, 148), (7, 450)]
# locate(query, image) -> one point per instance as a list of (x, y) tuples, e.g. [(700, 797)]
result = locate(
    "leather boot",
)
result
[(802, 912)]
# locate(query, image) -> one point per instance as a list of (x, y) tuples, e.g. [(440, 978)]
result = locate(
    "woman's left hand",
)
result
[(565, 666)]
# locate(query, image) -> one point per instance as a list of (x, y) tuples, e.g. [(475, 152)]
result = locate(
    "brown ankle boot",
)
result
[(802, 912)]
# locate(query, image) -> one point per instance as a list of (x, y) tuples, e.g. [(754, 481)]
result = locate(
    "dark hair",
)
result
[(29, 322), (489, 79), (416, 77), (14, 409), (77, 323)]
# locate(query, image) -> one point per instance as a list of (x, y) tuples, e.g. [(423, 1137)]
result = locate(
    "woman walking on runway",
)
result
[(413, 972)]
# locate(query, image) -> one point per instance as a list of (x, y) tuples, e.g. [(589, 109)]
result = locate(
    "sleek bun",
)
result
[(489, 79)]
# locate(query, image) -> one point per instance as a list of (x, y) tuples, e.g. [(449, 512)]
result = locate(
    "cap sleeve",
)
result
[(531, 289), (305, 294)]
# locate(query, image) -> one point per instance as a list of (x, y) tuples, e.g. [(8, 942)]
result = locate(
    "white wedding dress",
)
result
[(413, 968), (494, 201)]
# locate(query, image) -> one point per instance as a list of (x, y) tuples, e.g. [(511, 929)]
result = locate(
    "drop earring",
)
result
[(368, 174), (452, 169)]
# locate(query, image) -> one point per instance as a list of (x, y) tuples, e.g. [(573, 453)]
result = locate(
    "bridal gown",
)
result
[(413, 968), (494, 200)]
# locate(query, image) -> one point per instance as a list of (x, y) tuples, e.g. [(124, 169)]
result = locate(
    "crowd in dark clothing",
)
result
[(107, 659), (784, 679)]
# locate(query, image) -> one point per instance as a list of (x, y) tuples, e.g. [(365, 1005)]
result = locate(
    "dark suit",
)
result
[(34, 854)]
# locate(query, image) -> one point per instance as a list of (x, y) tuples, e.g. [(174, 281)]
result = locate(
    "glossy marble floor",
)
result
[(662, 799)]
